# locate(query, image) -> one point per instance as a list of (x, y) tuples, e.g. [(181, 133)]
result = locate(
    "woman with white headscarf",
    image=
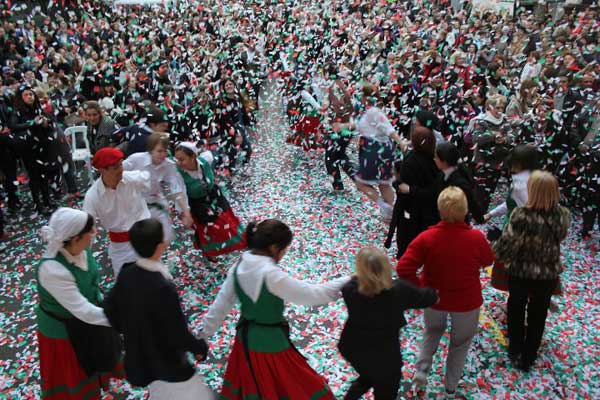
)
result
[(68, 287), (217, 229)]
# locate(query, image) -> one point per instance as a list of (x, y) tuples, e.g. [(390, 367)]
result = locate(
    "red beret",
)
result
[(107, 157)]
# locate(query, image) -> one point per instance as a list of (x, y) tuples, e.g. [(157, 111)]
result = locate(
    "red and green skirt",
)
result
[(222, 236), (63, 378), (307, 133), (281, 375), (500, 278)]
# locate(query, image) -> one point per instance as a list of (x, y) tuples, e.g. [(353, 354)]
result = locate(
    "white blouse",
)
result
[(252, 271), (519, 193), (118, 209), (374, 124), (163, 172), (60, 283)]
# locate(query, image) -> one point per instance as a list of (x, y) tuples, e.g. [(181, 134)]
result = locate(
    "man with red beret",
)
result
[(116, 200)]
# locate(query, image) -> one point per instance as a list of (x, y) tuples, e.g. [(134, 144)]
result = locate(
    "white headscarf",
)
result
[(64, 224), (190, 146)]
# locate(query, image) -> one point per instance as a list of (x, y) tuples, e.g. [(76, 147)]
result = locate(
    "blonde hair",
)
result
[(452, 204), (495, 100), (543, 191), (373, 271)]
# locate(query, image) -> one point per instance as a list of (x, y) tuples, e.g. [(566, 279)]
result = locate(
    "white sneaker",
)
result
[(386, 210), (420, 380)]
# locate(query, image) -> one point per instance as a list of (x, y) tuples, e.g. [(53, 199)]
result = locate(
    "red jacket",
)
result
[(451, 255)]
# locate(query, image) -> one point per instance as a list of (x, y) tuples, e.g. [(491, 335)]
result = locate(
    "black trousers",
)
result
[(486, 177), (533, 296), (8, 165), (336, 158), (383, 389), (38, 182)]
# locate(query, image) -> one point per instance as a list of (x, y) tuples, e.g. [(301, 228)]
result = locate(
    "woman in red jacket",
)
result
[(452, 254)]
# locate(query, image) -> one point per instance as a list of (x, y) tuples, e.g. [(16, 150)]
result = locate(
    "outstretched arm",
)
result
[(220, 308), (299, 292)]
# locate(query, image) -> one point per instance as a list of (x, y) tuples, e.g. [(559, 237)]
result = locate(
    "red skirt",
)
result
[(221, 236), (307, 133), (500, 278), (62, 376), (283, 375)]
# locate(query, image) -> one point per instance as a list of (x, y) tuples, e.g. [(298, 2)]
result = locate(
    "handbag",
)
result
[(98, 348)]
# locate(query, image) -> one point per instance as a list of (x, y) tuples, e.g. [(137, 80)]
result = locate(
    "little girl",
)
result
[(369, 340)]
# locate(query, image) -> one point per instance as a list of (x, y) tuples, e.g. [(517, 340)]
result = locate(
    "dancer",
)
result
[(452, 255), (376, 153), (531, 245), (116, 199), (339, 132), (263, 362), (162, 171), (217, 229), (68, 287), (144, 306), (376, 307)]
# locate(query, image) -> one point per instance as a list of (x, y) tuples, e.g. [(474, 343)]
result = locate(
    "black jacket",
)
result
[(462, 178), (369, 340), (145, 308), (415, 211)]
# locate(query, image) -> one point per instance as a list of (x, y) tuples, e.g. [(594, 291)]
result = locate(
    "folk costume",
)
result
[(307, 130), (165, 172), (118, 209), (217, 229), (263, 362), (68, 287), (144, 306)]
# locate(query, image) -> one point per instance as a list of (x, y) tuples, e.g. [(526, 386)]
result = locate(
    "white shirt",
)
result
[(154, 266), (252, 271), (60, 283), (118, 209), (374, 124), (448, 172), (163, 172), (519, 193)]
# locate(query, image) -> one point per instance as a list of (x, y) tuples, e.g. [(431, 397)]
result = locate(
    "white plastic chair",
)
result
[(76, 134)]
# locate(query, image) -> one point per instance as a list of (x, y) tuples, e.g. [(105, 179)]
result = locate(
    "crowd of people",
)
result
[(448, 106)]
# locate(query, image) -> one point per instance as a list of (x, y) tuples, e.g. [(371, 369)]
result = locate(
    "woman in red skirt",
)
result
[(68, 287), (264, 364), (218, 230)]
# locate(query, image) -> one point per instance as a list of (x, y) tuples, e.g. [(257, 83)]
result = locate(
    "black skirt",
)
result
[(376, 160)]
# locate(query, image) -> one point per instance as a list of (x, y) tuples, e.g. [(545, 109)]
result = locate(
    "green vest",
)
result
[(88, 284), (198, 188), (268, 309)]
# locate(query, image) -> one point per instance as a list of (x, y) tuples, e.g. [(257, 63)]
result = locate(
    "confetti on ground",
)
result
[(286, 183)]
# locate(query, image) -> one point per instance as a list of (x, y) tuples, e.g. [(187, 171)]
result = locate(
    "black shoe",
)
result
[(515, 360), (213, 260)]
